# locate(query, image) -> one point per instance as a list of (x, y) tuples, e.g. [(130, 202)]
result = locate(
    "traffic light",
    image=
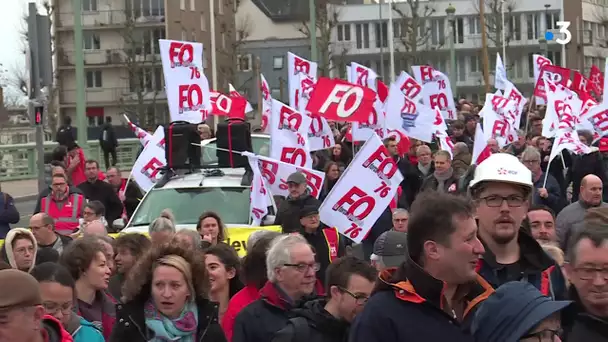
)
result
[(38, 115)]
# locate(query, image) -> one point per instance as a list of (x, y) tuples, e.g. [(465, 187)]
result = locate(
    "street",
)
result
[(26, 208)]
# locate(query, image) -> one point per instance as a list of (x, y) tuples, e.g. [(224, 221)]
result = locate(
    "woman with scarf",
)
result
[(165, 299)]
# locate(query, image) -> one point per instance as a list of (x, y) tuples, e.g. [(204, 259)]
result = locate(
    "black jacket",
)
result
[(408, 304), (260, 320), (130, 323), (66, 136), (534, 266), (133, 196), (581, 326), (104, 193), (320, 245), (288, 215), (584, 165), (411, 182), (45, 192), (323, 327), (8, 213), (110, 142), (451, 185)]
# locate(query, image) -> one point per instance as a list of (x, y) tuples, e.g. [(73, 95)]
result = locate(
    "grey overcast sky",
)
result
[(10, 24)]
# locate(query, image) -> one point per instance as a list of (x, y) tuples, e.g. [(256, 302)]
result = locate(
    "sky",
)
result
[(10, 24)]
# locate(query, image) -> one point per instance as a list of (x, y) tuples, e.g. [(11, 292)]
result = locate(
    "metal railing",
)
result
[(112, 18), (110, 57), (111, 96), (19, 161)]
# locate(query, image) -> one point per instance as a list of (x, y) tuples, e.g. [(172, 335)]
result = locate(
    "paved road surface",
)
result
[(26, 208)]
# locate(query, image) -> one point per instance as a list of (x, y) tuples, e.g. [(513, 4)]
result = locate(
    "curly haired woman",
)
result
[(164, 299)]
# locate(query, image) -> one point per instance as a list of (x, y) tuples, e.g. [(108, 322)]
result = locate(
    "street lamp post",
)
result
[(504, 36), (544, 46), (547, 20), (450, 12)]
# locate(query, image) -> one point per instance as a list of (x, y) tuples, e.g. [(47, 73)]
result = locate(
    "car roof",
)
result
[(230, 178)]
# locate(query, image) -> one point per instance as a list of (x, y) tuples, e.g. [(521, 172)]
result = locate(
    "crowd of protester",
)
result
[(464, 253)]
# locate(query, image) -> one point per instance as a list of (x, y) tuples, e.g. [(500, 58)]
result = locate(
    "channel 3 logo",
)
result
[(563, 29)]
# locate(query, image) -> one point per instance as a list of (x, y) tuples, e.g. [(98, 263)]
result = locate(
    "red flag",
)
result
[(232, 107), (382, 91), (596, 81), (338, 100), (556, 74)]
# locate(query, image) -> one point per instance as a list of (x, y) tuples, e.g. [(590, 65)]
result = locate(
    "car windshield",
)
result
[(260, 146), (187, 204)]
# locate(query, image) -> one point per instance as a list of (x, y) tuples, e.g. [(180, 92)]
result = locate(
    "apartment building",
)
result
[(123, 69), (362, 36)]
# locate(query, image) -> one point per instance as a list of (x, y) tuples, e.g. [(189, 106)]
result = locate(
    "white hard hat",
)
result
[(504, 168)]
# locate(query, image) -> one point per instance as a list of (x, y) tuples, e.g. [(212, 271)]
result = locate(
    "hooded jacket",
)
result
[(534, 266), (7, 248), (83, 330), (288, 215), (323, 327), (409, 304), (53, 331)]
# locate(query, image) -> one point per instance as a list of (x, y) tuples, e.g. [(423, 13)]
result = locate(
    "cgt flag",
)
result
[(338, 100)]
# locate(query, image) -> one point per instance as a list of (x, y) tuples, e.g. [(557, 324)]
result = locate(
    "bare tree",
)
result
[(415, 29), (329, 55), (144, 72), (494, 24), (235, 37)]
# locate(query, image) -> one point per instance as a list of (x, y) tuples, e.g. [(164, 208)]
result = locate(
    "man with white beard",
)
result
[(501, 190)]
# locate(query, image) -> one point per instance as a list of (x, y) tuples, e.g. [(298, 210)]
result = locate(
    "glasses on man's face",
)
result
[(88, 213), (588, 273), (546, 335), (400, 220), (302, 267), (52, 308), (58, 185), (359, 298), (531, 161), (495, 201)]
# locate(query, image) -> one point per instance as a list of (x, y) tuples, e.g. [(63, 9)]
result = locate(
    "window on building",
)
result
[(95, 121), (437, 31), (275, 93), (244, 62), (340, 31), (346, 32), (601, 31), (89, 5), (220, 6), (157, 8), (193, 36), (474, 26), (203, 22), (223, 36), (381, 34), (91, 40), (551, 20), (514, 31), (277, 62), (517, 67), (555, 57), (157, 34), (458, 30), (461, 69), (475, 63), (531, 64), (366, 36), (193, 5), (358, 36), (533, 26), (93, 79)]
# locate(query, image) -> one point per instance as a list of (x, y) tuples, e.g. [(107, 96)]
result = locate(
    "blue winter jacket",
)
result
[(8, 213), (87, 332)]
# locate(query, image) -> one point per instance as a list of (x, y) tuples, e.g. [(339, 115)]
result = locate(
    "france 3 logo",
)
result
[(563, 29)]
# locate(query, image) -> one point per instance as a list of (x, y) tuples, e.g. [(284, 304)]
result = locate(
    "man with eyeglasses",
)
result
[(22, 316), (43, 228), (546, 189), (64, 206), (587, 270), (501, 190), (292, 280), (349, 283)]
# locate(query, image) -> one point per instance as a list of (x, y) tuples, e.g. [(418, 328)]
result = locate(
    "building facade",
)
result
[(123, 69), (362, 36), (274, 28)]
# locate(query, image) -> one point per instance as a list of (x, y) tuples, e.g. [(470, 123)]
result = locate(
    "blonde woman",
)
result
[(165, 299)]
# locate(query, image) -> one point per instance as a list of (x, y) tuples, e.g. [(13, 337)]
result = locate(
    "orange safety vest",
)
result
[(66, 213), (332, 237)]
